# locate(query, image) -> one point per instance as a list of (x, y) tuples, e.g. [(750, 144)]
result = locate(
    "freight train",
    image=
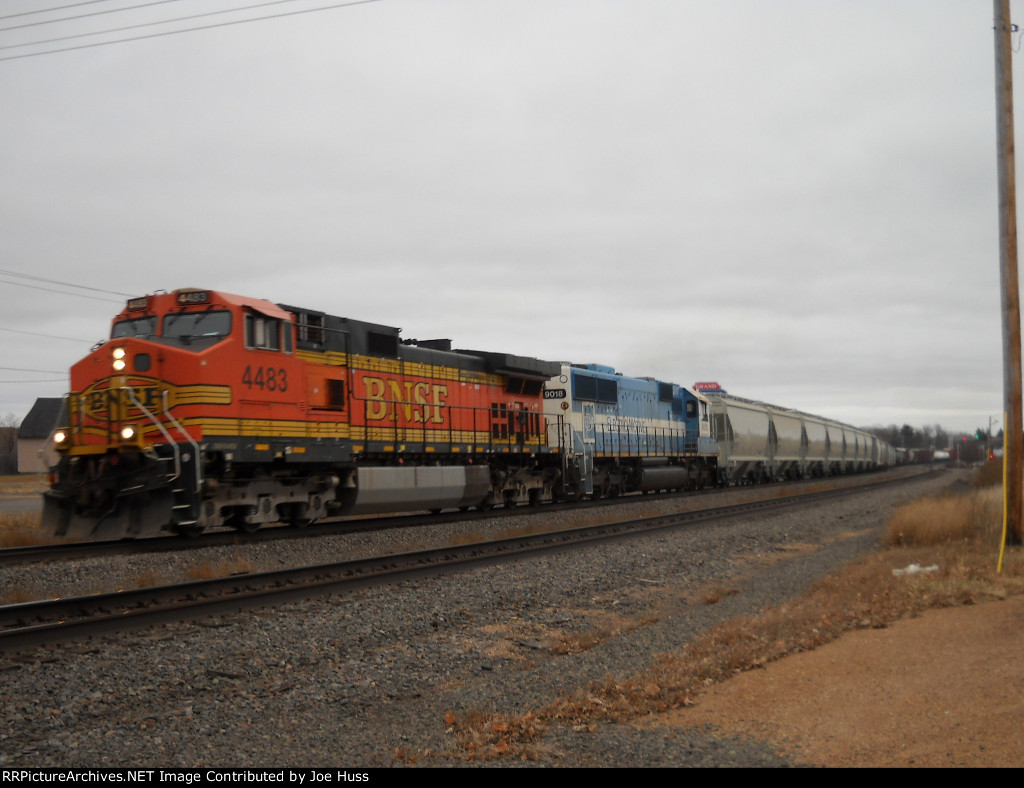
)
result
[(759, 442), (209, 409)]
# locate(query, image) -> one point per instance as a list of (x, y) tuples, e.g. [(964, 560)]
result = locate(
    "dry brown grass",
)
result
[(575, 642), (989, 475), (960, 536), (935, 521), (22, 484), (581, 641), (478, 737), (22, 529), (487, 737), (866, 594)]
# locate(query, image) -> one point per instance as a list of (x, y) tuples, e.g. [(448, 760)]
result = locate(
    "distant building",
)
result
[(35, 452)]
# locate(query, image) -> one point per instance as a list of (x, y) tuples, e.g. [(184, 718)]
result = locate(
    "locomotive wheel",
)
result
[(188, 531), (298, 518), (239, 523)]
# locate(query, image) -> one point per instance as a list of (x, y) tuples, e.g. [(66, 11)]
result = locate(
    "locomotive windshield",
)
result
[(189, 326), (137, 327)]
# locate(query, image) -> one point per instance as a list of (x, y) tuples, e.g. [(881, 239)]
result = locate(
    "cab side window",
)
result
[(265, 333)]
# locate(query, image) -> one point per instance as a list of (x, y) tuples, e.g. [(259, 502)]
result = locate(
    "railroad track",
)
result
[(78, 550), (31, 624)]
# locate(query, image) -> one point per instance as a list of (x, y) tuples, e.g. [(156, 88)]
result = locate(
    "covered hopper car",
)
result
[(758, 442)]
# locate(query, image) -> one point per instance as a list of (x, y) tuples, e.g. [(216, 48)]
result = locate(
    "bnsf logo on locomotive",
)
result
[(417, 401), (101, 402)]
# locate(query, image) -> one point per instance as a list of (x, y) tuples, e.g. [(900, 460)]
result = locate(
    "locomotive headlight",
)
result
[(59, 437), (127, 432), (119, 362)]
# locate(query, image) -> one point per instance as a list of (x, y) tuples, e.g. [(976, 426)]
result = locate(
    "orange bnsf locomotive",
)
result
[(207, 409)]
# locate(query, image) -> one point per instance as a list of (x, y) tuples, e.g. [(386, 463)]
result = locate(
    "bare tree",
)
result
[(9, 443)]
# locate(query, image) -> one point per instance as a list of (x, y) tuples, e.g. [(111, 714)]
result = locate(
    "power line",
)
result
[(127, 27), (55, 8), (86, 16), (175, 32), (61, 292), (37, 371), (36, 334), (63, 284), (47, 380)]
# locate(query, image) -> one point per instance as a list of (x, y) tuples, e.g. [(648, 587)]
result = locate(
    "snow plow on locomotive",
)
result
[(206, 409)]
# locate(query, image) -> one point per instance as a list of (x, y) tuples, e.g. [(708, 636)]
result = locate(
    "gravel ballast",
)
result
[(375, 678)]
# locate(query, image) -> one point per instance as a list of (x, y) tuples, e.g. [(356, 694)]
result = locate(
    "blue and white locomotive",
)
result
[(617, 434)]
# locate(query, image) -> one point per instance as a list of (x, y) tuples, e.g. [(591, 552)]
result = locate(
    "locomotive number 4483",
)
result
[(266, 378)]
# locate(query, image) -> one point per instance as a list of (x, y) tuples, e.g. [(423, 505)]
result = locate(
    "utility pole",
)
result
[(1013, 430)]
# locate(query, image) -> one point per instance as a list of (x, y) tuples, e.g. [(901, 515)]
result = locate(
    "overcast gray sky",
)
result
[(795, 198)]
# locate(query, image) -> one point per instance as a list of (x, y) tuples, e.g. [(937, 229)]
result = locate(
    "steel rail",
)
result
[(157, 544), (29, 624)]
